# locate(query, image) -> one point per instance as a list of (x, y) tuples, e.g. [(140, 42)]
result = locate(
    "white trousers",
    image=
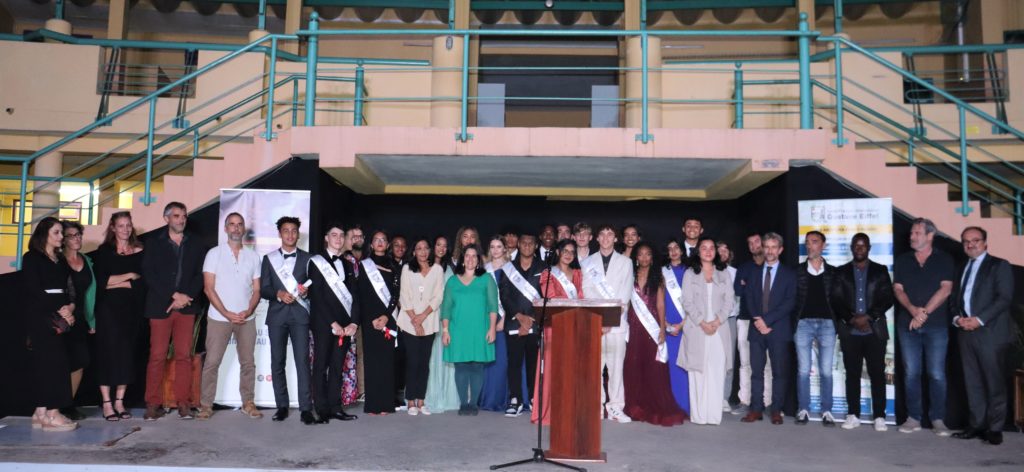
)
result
[(743, 345), (707, 385), (613, 354)]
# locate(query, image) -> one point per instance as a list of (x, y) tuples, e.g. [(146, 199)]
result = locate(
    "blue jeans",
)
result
[(823, 332), (929, 342)]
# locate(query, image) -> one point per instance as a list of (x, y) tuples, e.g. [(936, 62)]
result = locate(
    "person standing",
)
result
[(923, 281), (985, 335), (693, 227), (562, 231), (441, 394), (743, 279), (50, 309), (815, 324), (727, 257), (608, 275), (631, 235), (708, 299), (84, 283), (173, 269), (672, 273), (333, 319), (771, 300), (352, 379), (547, 241), (422, 287), (519, 289), (469, 313), (582, 234), (231, 281), (564, 279), (377, 294), (494, 394), (284, 283), (861, 294)]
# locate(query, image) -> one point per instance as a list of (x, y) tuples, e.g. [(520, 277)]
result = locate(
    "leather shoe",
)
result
[(752, 416), (281, 415), (307, 417), (342, 416), (994, 438), (970, 434), (323, 418), (777, 418)]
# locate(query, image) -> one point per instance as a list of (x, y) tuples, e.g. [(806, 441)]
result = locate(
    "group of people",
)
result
[(456, 329)]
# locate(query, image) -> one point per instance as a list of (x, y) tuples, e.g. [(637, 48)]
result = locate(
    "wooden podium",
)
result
[(575, 376)]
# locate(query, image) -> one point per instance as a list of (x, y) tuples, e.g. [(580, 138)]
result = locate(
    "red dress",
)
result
[(645, 380), (556, 291)]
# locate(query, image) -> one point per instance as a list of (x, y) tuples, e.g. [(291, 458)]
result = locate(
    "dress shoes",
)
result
[(342, 416), (970, 434), (280, 415), (323, 418), (994, 438), (752, 416), (307, 417), (777, 417)]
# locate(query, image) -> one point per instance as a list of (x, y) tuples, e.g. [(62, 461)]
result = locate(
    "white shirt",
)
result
[(735, 306), (967, 282), (544, 253), (775, 270), (815, 272), (687, 248), (234, 277)]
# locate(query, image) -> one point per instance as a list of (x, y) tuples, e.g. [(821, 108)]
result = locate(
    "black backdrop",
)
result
[(771, 207)]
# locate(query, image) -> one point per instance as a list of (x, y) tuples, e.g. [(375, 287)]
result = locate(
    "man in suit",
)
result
[(172, 267), (283, 283), (523, 338), (693, 227), (771, 299), (981, 311), (609, 275), (861, 295)]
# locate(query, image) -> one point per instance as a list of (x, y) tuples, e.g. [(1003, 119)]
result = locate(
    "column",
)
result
[(446, 82), (117, 19), (292, 23), (45, 201), (634, 82)]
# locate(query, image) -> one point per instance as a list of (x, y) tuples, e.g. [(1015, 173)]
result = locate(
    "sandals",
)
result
[(124, 415), (115, 416)]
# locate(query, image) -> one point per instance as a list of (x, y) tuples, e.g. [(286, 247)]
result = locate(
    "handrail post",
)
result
[(58, 12), (21, 214), (295, 101), (92, 188), (463, 134), (738, 95), (806, 104), (357, 119), (965, 208), (1019, 217), (195, 144), (910, 151), (837, 9), (644, 136), (270, 134), (311, 47), (147, 197), (840, 110), (262, 22)]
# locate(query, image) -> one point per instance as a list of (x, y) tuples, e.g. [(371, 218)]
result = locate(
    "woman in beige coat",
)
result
[(708, 299)]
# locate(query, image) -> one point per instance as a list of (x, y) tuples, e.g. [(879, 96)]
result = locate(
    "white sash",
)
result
[(594, 271), (490, 270), (564, 281), (520, 283), (335, 280), (381, 288), (650, 324), (287, 277), (675, 292)]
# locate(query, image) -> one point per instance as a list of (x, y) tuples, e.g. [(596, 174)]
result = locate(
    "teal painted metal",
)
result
[(311, 50), (451, 14), (910, 151), (965, 208), (840, 140), (738, 95), (806, 98), (357, 118), (262, 23), (295, 103), (463, 134), (1020, 212), (92, 190), (644, 136), (58, 10), (195, 143), (837, 10), (269, 134), (147, 197), (21, 214), (563, 33)]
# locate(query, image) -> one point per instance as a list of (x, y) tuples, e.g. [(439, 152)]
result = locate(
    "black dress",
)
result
[(118, 314), (50, 380), (76, 340), (378, 351)]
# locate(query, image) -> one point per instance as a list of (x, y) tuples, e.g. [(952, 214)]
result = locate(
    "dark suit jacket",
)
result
[(160, 270), (990, 299), (879, 298), (512, 300), (325, 308), (802, 277), (270, 283), (781, 305)]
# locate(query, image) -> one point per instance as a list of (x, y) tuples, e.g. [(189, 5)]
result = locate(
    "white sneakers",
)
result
[(618, 416), (880, 425), (413, 411), (423, 410), (940, 429), (910, 426), (852, 421)]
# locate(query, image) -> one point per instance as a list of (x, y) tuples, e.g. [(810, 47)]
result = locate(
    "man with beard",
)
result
[(744, 274)]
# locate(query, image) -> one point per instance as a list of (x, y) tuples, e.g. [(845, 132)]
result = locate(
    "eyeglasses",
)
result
[(73, 236)]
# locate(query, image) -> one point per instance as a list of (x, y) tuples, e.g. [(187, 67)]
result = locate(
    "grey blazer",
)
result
[(280, 313), (695, 304)]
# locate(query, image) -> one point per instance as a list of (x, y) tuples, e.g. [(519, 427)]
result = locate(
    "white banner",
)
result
[(261, 209), (839, 220)]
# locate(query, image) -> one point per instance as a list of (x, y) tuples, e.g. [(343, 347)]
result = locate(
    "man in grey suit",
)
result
[(283, 282), (981, 311)]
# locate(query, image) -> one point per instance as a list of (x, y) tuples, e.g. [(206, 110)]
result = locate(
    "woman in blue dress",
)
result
[(494, 396), (674, 270), (441, 392)]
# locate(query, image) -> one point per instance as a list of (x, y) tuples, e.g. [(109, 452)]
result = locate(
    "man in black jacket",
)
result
[(861, 294), (814, 324), (519, 288), (172, 267)]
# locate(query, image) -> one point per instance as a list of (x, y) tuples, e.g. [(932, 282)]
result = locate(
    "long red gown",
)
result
[(646, 381), (556, 291)]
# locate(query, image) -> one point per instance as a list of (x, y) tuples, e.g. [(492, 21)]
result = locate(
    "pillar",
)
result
[(446, 81), (58, 26), (462, 14), (634, 82), (631, 15), (292, 24), (117, 19), (806, 6), (46, 200)]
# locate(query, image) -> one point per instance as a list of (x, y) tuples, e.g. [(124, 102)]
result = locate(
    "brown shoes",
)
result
[(752, 416), (153, 412), (205, 413), (777, 417), (249, 409)]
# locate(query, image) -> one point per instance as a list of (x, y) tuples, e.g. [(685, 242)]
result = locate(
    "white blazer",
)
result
[(619, 278)]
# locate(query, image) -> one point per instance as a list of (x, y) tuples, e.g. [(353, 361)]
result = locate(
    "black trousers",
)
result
[(985, 370), (520, 347), (279, 334), (761, 348), (328, 362), (856, 351), (417, 364)]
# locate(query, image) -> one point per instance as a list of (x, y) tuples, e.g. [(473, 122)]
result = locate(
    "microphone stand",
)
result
[(539, 456)]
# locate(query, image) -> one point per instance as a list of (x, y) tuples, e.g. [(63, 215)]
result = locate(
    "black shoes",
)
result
[(464, 410), (342, 416), (994, 438), (307, 417), (280, 415), (970, 434)]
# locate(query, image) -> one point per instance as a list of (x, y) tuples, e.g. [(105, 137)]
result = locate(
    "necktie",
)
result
[(767, 290), (963, 286), (693, 252), (290, 255)]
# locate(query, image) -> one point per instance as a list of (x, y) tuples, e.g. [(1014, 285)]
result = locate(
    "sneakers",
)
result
[(514, 408), (153, 413), (802, 417), (880, 425), (619, 416), (940, 429), (910, 426), (726, 407), (249, 409), (827, 419), (424, 410), (852, 421), (205, 413), (740, 409), (413, 411)]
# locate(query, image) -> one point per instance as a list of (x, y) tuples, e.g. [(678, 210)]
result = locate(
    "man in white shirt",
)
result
[(582, 234), (693, 227), (231, 281), (609, 275)]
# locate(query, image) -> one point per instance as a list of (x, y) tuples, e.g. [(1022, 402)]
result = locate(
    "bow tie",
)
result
[(334, 258), (290, 255)]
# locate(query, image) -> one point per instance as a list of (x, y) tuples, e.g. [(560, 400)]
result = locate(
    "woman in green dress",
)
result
[(469, 312)]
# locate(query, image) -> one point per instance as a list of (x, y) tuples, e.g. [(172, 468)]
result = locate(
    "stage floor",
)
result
[(449, 442)]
